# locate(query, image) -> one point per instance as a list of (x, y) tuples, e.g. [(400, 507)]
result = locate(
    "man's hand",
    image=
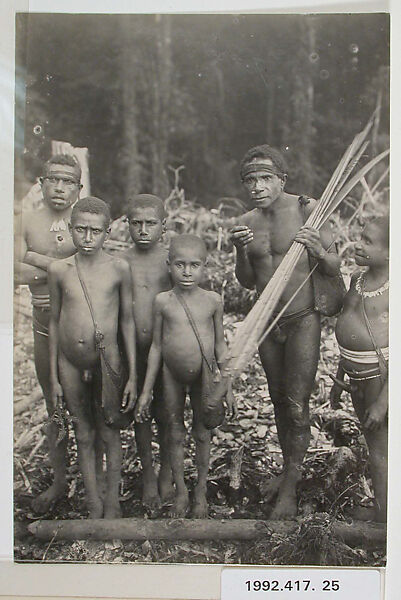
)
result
[(241, 236), (231, 404), (310, 237), (375, 416), (142, 410), (57, 394), (129, 396)]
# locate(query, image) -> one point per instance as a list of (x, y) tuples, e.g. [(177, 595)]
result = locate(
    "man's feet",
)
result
[(286, 508), (166, 487), (199, 508), (112, 510), (150, 494), (95, 508), (270, 488), (180, 506), (47, 499)]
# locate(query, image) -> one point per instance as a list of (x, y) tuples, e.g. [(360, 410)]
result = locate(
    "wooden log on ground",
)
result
[(356, 534)]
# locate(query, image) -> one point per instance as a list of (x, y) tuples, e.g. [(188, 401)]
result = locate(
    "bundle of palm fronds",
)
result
[(259, 322)]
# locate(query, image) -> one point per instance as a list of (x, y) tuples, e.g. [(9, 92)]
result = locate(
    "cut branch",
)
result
[(358, 534)]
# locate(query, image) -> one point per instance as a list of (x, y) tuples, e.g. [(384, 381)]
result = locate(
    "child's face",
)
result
[(88, 231), (145, 226), (371, 250), (187, 267)]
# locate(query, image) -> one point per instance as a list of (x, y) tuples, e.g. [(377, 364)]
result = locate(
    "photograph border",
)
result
[(44, 579)]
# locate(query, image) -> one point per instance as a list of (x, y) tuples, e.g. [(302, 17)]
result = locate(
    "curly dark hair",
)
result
[(265, 151)]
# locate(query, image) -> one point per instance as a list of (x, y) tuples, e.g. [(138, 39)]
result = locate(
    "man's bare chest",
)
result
[(50, 243)]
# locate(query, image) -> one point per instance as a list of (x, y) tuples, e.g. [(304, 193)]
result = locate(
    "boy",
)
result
[(42, 238), (148, 263), (290, 354), (88, 294), (362, 335), (175, 342)]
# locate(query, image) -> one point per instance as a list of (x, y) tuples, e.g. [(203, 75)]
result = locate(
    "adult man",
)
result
[(42, 236), (290, 354)]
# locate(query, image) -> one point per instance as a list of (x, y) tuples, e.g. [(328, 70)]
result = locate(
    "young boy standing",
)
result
[(90, 294), (176, 344), (150, 276), (362, 335)]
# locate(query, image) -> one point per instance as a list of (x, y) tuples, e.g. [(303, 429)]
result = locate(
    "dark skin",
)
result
[(73, 351), (36, 247), (262, 238), (369, 397), (174, 342), (150, 276)]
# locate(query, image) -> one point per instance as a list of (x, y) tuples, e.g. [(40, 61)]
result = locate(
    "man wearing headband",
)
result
[(42, 236), (290, 353)]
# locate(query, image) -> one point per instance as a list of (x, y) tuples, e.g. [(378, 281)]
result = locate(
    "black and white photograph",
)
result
[(201, 288)]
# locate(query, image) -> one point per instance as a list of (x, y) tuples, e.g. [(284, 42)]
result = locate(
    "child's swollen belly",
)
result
[(77, 343), (183, 360)]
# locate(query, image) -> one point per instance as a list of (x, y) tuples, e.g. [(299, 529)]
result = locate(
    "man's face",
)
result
[(263, 187), (371, 250), (145, 226), (88, 231), (187, 267), (60, 186)]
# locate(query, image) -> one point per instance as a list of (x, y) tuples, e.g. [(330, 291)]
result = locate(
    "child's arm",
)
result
[(128, 334), (142, 412), (339, 386), (376, 413), (55, 307), (220, 350)]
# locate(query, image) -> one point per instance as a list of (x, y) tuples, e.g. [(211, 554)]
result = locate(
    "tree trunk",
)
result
[(129, 78), (302, 101), (359, 533), (161, 106)]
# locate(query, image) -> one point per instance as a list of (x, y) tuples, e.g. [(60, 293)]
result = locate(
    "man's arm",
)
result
[(155, 352), (55, 307), (142, 412), (25, 274), (320, 244), (128, 333), (241, 235), (38, 260), (220, 350), (220, 346)]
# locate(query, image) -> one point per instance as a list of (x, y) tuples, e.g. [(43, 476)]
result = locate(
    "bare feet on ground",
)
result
[(47, 499), (270, 488), (112, 510), (286, 507), (166, 488), (180, 506), (95, 508), (150, 494), (199, 507)]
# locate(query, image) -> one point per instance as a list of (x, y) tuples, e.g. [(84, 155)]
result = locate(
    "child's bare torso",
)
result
[(351, 330), (150, 276), (40, 239), (180, 348), (76, 329), (273, 237)]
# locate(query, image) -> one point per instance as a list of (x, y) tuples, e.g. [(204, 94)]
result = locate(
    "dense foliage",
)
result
[(144, 92)]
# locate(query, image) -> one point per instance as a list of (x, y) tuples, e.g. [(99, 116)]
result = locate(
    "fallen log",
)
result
[(358, 533)]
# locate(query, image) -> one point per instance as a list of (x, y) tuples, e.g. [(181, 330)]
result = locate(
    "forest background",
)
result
[(142, 92)]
